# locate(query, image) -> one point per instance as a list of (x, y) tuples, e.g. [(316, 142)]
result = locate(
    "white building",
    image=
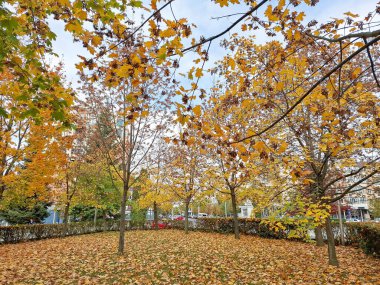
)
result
[(246, 210), (358, 203)]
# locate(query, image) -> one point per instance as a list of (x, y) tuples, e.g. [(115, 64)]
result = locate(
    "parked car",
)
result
[(161, 225), (353, 220), (202, 215), (179, 218)]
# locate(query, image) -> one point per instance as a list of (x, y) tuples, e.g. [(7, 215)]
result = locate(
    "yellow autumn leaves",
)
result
[(168, 257)]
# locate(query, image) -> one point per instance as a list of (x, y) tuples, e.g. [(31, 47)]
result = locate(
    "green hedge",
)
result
[(225, 225), (365, 235), (18, 233)]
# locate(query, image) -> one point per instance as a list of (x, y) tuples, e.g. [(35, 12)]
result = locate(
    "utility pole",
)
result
[(95, 216), (340, 224)]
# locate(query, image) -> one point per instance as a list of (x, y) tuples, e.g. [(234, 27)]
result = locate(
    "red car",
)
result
[(160, 225), (179, 218)]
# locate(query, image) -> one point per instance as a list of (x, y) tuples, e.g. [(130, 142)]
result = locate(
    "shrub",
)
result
[(367, 236), (18, 233), (22, 214), (225, 225)]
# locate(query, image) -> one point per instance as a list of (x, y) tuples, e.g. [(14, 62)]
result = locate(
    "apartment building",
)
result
[(356, 205)]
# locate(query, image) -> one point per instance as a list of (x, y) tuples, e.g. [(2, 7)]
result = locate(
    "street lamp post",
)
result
[(340, 224)]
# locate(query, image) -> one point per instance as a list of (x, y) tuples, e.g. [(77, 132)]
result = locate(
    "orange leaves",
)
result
[(351, 133), (96, 40), (198, 72), (297, 35), (222, 2), (225, 3), (74, 27), (231, 63), (153, 4), (281, 4), (299, 174), (282, 147), (356, 72), (167, 33), (328, 116), (259, 146), (172, 257), (349, 14), (30, 139), (300, 16), (247, 103), (149, 44), (279, 86), (270, 15), (135, 59), (150, 69), (123, 70), (82, 15), (197, 110)]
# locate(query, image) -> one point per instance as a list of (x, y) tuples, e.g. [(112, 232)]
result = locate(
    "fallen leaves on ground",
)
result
[(172, 257)]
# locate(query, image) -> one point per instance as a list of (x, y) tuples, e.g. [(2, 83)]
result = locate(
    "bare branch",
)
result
[(350, 174), (363, 35), (372, 64), (226, 16), (245, 15), (348, 189), (135, 31)]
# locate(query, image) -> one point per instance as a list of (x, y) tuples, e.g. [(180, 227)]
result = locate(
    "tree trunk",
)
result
[(235, 215), (122, 219), (187, 202), (66, 213), (2, 190), (155, 214), (333, 260), (318, 236)]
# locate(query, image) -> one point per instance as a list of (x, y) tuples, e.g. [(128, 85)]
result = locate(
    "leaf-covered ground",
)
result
[(171, 257)]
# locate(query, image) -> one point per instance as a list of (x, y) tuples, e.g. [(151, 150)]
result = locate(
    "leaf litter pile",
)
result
[(172, 257)]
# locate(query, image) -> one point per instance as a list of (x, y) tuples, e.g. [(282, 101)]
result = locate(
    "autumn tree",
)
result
[(27, 40), (75, 144), (334, 132), (24, 141), (185, 170), (230, 167), (30, 148), (329, 142), (155, 180), (129, 117), (98, 189)]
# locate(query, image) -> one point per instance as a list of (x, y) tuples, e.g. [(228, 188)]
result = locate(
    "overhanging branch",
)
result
[(245, 15), (300, 100), (348, 189), (136, 30), (372, 64), (363, 35)]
